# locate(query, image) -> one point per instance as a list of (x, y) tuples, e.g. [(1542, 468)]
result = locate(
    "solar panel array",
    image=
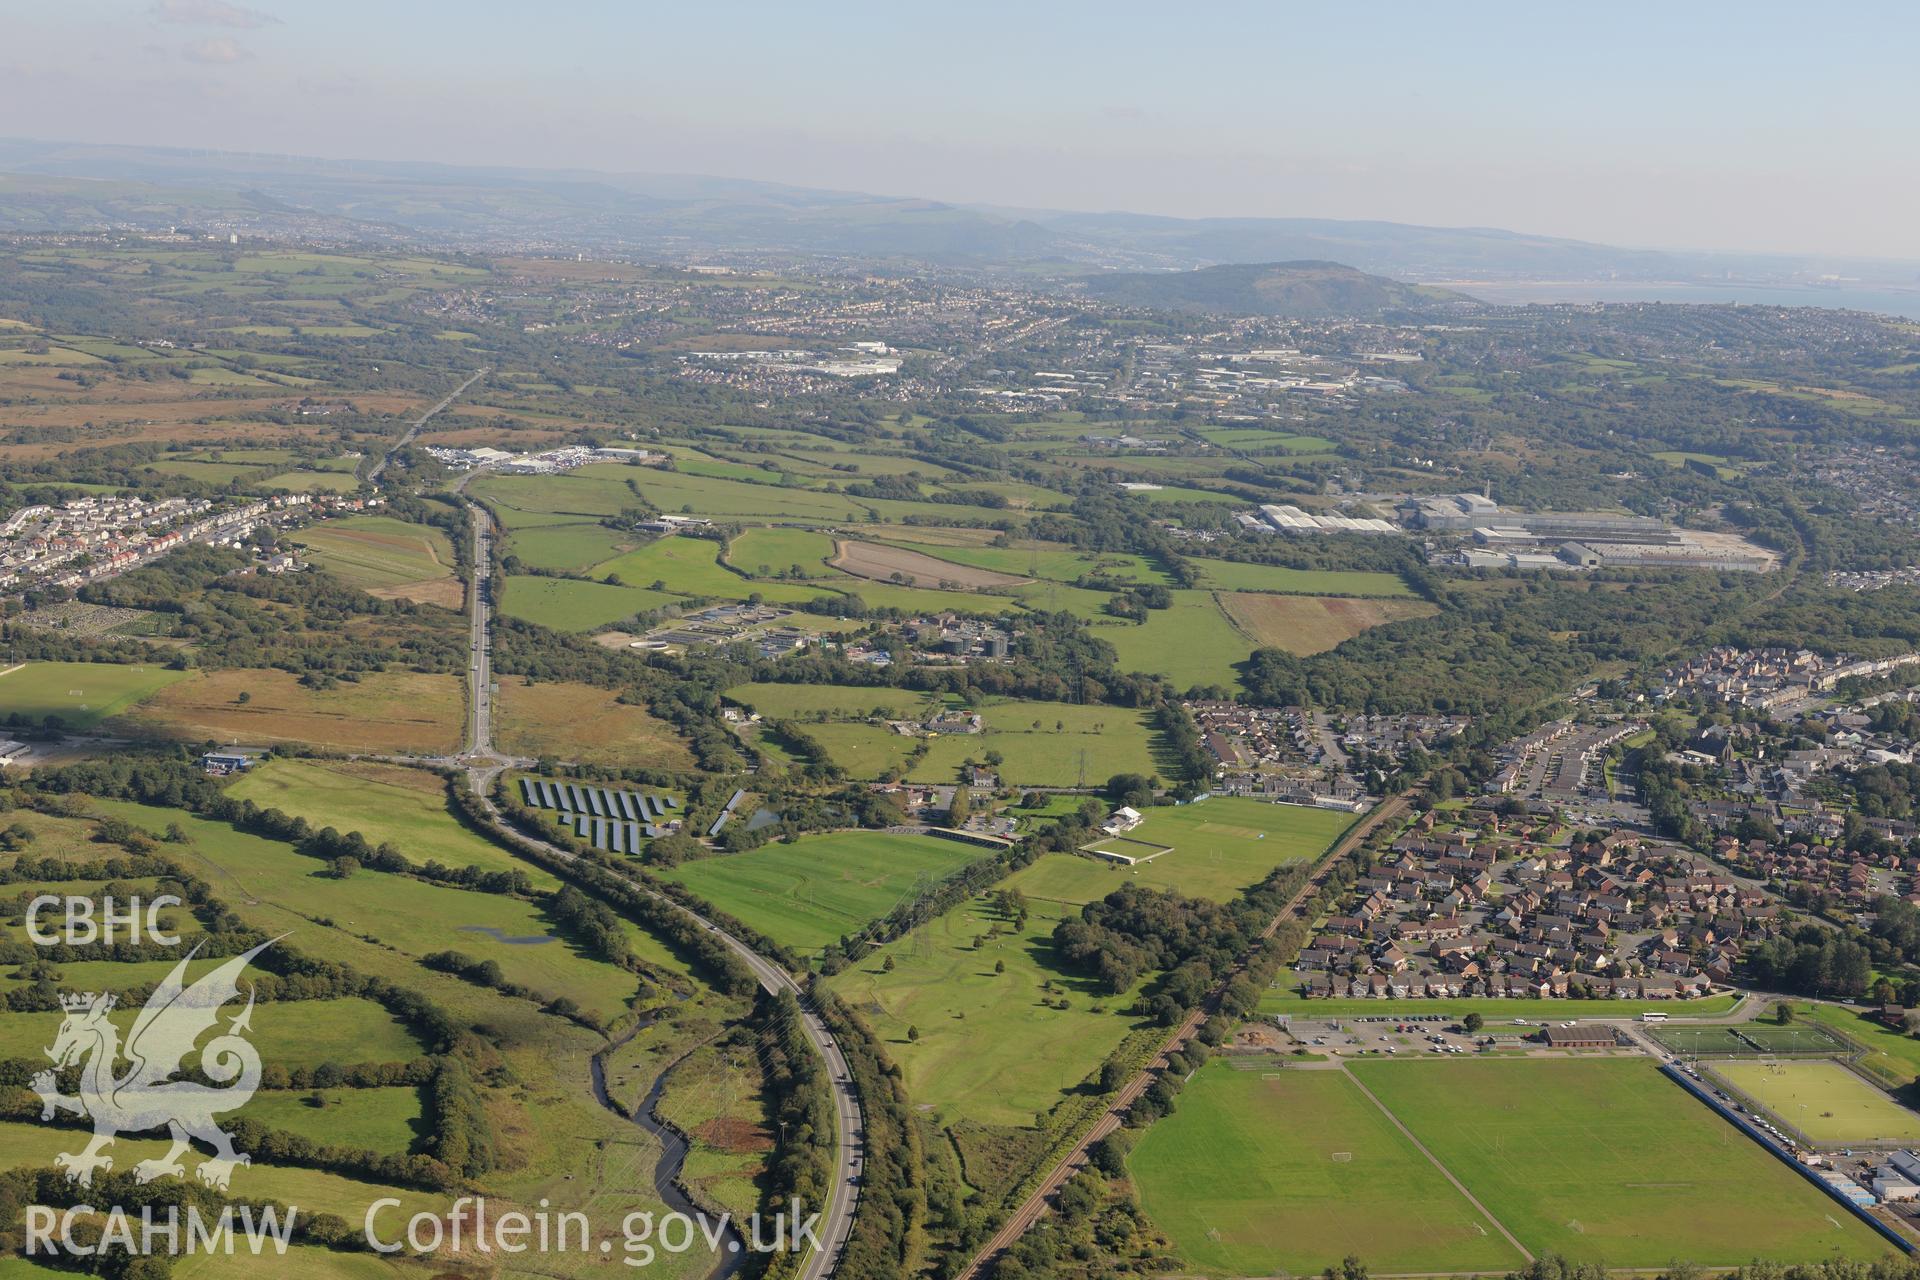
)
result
[(616, 821), (726, 812)]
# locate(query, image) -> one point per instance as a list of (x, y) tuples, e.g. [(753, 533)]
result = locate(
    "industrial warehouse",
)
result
[(1485, 535)]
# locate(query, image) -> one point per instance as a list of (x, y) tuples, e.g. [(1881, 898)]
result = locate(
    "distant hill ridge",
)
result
[(1307, 290), (76, 187)]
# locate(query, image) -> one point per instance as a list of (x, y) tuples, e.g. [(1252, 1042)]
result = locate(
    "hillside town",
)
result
[(98, 537)]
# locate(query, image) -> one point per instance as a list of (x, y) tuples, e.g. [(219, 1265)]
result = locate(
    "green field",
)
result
[(1192, 643), (1823, 1100), (1046, 560), (219, 473), (293, 1033), (1231, 575), (1261, 1173), (1186, 493), (863, 750), (1048, 744), (1220, 846), (1058, 597), (676, 491), (574, 494), (385, 1119), (1074, 745), (410, 916), (555, 1141), (891, 595), (514, 519), (820, 888), (377, 551), (106, 975), (383, 803), (801, 701), (1679, 458), (1607, 1160), (309, 1262), (312, 1190), (565, 604), (716, 1097), (1041, 743), (34, 1145), (1262, 438), (696, 462), (889, 509), (767, 552), (691, 567), (264, 458), (81, 694), (312, 482), (57, 837), (993, 1049), (567, 546)]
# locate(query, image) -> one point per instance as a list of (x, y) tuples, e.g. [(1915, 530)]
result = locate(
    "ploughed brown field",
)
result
[(382, 711), (121, 410), (578, 722), (1313, 624), (448, 593), (932, 535), (870, 560)]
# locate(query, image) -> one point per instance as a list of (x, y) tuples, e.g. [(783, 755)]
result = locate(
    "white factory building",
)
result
[(1285, 518)]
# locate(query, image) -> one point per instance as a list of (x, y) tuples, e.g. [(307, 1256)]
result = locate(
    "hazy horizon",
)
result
[(1717, 128)]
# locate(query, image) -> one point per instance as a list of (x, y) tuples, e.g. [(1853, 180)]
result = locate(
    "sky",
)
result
[(1687, 124)]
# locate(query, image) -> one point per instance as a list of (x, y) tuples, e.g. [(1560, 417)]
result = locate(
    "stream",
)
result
[(673, 1153)]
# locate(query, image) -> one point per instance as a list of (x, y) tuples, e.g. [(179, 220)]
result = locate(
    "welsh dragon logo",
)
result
[(145, 1096)]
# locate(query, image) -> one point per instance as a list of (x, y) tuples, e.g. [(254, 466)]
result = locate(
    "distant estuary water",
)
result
[(1882, 300)]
